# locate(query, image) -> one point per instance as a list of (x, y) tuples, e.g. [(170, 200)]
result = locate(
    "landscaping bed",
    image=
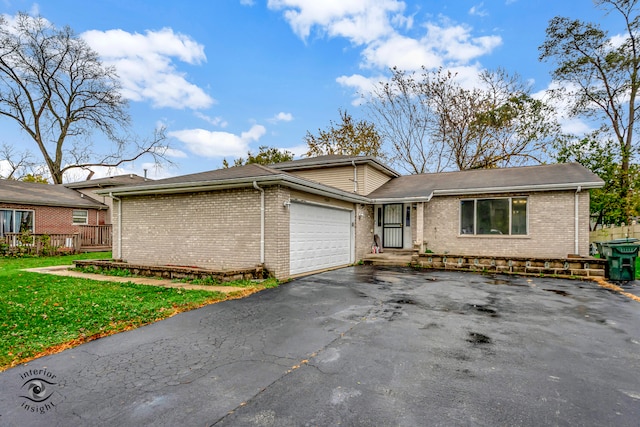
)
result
[(173, 271), (564, 267)]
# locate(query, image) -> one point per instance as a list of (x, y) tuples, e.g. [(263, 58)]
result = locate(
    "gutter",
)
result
[(390, 200), (255, 185), (100, 206), (119, 223), (519, 188), (355, 176), (577, 222), (288, 180)]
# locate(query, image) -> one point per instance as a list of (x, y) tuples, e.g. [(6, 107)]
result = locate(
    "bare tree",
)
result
[(433, 123), (16, 164), (54, 86), (401, 110)]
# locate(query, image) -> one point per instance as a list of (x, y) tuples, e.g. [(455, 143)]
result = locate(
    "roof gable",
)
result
[(333, 160)]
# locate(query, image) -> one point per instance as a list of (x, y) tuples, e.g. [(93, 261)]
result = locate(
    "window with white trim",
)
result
[(80, 216), (15, 221), (506, 215)]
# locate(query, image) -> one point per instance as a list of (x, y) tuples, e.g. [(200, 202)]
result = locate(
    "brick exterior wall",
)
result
[(364, 230), (277, 231), (218, 230), (57, 220), (550, 230)]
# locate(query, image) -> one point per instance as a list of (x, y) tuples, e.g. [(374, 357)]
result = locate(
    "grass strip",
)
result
[(42, 314)]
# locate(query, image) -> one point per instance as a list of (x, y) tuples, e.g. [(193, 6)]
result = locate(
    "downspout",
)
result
[(355, 176), (119, 223), (255, 185), (577, 221)]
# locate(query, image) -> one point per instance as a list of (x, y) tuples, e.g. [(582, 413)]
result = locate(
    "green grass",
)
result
[(41, 313), (209, 281)]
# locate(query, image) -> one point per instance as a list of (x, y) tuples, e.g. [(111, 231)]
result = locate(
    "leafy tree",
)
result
[(599, 77), (350, 137), (607, 204), (34, 178), (54, 87), (434, 123), (265, 156)]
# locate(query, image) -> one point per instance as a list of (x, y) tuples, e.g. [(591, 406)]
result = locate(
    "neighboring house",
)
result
[(308, 215), (91, 186), (46, 209)]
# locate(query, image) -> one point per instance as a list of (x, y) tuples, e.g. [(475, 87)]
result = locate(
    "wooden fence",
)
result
[(90, 236), (95, 235), (617, 232)]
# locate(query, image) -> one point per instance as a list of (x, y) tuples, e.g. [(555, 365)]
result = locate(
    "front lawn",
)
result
[(42, 314)]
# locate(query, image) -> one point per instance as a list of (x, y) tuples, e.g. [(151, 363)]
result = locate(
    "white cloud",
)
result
[(381, 29), (618, 40), (171, 152), (215, 121), (145, 65), (297, 150), (362, 85), (403, 52), (247, 2), (466, 75), (478, 10), (455, 43), (568, 124), (218, 144), (281, 117), (5, 168), (361, 21)]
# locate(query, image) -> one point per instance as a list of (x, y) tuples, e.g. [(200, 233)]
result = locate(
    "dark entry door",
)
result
[(392, 231)]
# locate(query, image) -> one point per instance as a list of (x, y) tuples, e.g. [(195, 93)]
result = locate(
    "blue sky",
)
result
[(227, 76)]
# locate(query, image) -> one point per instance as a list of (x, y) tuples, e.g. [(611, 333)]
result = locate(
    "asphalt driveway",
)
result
[(361, 346)]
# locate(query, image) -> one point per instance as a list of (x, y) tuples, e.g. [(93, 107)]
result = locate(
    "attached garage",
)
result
[(320, 237)]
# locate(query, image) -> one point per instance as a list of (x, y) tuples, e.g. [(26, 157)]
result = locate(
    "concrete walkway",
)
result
[(64, 270)]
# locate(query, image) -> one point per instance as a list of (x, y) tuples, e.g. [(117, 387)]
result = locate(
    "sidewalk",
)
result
[(64, 270)]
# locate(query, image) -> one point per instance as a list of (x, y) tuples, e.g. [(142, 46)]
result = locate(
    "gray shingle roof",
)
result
[(29, 193), (237, 172), (110, 181), (234, 177), (528, 178)]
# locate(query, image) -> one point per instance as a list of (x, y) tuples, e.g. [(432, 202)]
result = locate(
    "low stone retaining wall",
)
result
[(564, 267), (176, 272)]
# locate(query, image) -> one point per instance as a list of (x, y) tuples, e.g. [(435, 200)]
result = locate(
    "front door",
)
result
[(392, 230)]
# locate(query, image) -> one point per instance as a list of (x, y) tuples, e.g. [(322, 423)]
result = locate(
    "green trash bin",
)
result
[(621, 257)]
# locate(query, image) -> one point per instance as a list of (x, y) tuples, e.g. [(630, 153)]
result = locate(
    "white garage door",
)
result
[(320, 238)]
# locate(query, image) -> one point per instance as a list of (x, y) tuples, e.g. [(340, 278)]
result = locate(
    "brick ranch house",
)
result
[(46, 209), (312, 214)]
